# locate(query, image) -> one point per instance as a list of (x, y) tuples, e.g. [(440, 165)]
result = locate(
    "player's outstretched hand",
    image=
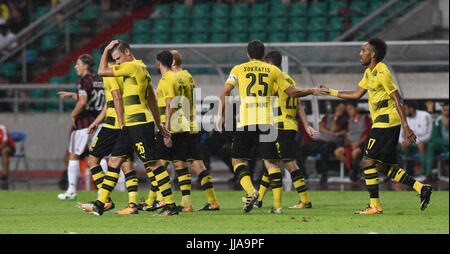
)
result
[(321, 90)]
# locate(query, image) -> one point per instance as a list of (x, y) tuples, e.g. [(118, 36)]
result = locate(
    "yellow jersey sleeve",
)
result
[(124, 69), (363, 82), (233, 77), (388, 82), (284, 82)]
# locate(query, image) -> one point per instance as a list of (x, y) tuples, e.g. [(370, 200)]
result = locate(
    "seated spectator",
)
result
[(439, 139), (5, 36), (421, 124), (7, 148), (358, 130), (331, 129)]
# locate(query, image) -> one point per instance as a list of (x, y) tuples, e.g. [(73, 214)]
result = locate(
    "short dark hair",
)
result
[(102, 49), (165, 57), (255, 49), (352, 103), (274, 57), (122, 45), (411, 104), (379, 46)]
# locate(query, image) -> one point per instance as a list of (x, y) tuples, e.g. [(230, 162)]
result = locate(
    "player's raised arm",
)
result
[(346, 95), (103, 68)]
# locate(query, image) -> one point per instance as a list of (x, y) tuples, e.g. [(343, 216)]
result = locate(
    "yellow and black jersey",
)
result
[(189, 82), (380, 84), (258, 82), (172, 85), (110, 84), (137, 83), (287, 108)]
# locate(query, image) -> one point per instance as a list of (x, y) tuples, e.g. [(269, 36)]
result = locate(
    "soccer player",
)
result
[(136, 122), (104, 142), (193, 154), (388, 116), (286, 123), (257, 82), (7, 148), (90, 98)]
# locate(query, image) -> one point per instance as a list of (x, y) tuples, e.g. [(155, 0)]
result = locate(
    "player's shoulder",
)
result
[(289, 79), (383, 69)]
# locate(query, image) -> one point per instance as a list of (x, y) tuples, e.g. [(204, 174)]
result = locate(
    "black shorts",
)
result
[(104, 142), (194, 153), (140, 138), (286, 145), (179, 150), (382, 145), (245, 140)]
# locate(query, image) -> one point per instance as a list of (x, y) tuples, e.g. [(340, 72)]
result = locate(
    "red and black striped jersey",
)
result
[(92, 87)]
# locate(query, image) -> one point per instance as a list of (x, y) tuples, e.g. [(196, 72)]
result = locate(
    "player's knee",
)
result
[(114, 162), (92, 161)]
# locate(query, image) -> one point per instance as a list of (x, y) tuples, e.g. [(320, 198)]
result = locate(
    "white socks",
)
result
[(73, 173)]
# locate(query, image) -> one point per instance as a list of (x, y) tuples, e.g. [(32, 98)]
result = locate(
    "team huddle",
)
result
[(159, 126)]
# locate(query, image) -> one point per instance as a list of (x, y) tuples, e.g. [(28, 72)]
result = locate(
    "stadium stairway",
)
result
[(122, 26)]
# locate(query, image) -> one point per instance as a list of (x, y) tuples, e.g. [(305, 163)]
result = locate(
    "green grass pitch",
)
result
[(40, 212)]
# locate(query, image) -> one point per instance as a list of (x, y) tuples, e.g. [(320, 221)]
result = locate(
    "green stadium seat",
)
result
[(123, 37), (90, 12), (218, 25), (181, 25), (259, 10), (333, 35), (359, 6), (141, 27), (335, 6), (356, 19), (238, 37), (74, 26), (199, 38), (278, 24), (277, 36), (262, 36), (58, 80), (239, 10), (200, 25), (317, 24), (296, 37), (36, 106), (298, 24), (163, 9), (219, 11), (41, 11), (73, 77), (218, 38), (375, 5), (336, 24), (201, 11), (238, 25), (161, 38), (8, 69), (48, 23), (141, 38), (180, 11), (279, 10), (179, 38), (257, 25), (317, 9), (316, 36), (160, 25), (298, 9), (49, 42), (69, 105)]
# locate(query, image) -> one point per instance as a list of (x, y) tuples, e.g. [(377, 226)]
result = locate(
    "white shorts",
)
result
[(79, 140)]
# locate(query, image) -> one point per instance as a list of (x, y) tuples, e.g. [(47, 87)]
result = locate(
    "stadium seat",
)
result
[(123, 37), (279, 10), (41, 11), (298, 24), (262, 36), (58, 80), (178, 38), (239, 10), (278, 24), (296, 37), (141, 27), (218, 38), (259, 10), (199, 38), (141, 38), (336, 24), (161, 38), (375, 5), (90, 12), (359, 6), (19, 139), (257, 25), (49, 42), (200, 25), (277, 36), (201, 11), (238, 25), (181, 25), (317, 24), (163, 10), (160, 25), (74, 26), (298, 9), (180, 11), (335, 6), (317, 9), (218, 25), (333, 35), (219, 11), (8, 69), (48, 23), (240, 37), (316, 36), (35, 106)]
